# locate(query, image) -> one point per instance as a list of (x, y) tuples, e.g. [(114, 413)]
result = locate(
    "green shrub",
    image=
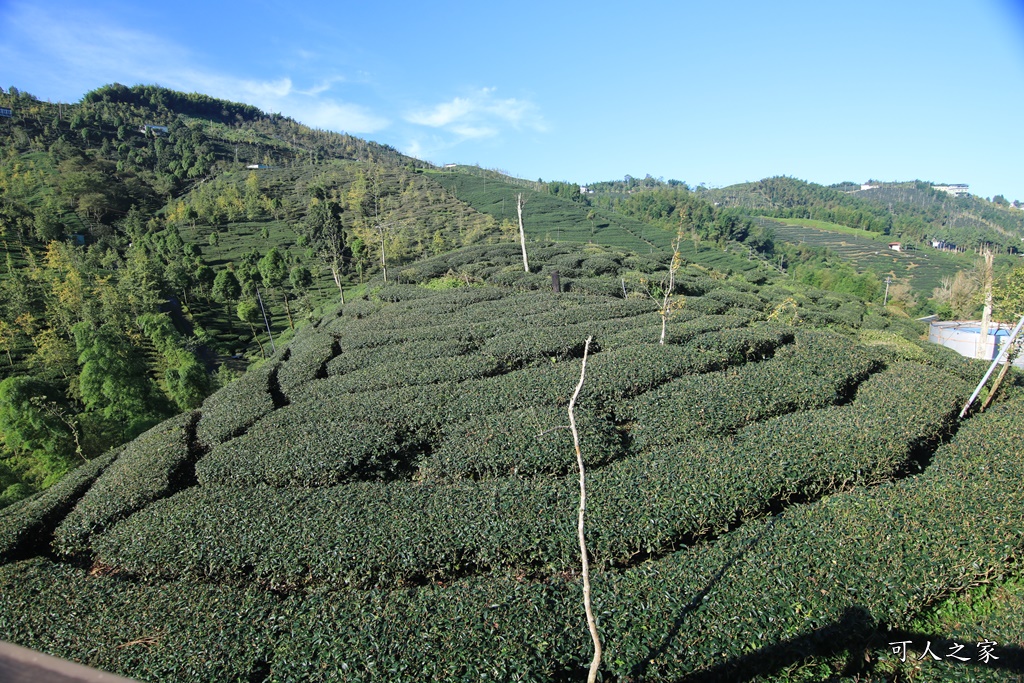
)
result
[(735, 299), (638, 505), (365, 358), (817, 371), (326, 438), (168, 632), (308, 356)]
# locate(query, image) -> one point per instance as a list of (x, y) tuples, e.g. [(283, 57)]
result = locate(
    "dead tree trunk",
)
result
[(595, 663), (522, 233), (666, 310)]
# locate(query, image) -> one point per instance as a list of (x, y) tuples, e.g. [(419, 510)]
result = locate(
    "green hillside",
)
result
[(911, 211), (780, 490), (154, 243), (548, 217), (278, 404)]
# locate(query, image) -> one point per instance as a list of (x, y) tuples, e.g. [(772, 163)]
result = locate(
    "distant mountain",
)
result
[(909, 211)]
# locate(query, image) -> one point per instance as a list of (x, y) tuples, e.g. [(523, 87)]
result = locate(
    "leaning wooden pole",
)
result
[(595, 663), (1000, 357)]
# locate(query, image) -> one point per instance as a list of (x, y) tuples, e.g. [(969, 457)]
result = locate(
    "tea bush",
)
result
[(521, 442), (27, 525), (155, 465), (816, 371), (639, 505), (236, 407)]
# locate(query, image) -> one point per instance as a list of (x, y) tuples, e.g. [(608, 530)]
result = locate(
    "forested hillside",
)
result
[(912, 211), (154, 242)]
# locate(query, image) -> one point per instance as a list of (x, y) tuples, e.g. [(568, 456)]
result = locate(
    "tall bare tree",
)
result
[(522, 233)]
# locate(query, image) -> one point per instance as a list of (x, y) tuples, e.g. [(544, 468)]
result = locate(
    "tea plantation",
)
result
[(393, 496)]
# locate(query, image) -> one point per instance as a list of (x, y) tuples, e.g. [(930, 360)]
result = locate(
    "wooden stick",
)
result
[(595, 664)]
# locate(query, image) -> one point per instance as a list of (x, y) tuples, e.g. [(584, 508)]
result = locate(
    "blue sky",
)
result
[(714, 93)]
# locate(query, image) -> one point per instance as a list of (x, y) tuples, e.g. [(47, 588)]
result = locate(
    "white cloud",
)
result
[(350, 118), (415, 149), (92, 50), (479, 114), (474, 132), (443, 114)]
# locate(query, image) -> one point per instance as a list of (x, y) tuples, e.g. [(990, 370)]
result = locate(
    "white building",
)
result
[(964, 337), (957, 189)]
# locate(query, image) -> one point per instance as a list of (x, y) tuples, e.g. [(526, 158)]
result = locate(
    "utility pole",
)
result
[(266, 322), (885, 299)]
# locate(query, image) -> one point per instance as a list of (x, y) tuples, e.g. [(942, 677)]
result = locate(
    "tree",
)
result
[(958, 295), (226, 287), (274, 271), (249, 312), (184, 378), (27, 428), (8, 337), (385, 229), (326, 235), (669, 306), (114, 381), (1008, 295)]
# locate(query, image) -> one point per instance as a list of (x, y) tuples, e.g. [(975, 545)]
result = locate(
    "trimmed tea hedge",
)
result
[(817, 371), (162, 632), (636, 506), (310, 353), (28, 524), (362, 359), (735, 299), (233, 409), (408, 372), (319, 443), (358, 338), (632, 370), (155, 465), (520, 443), (824, 575)]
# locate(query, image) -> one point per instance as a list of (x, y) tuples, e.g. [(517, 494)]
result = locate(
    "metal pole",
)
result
[(265, 321), (1000, 357)]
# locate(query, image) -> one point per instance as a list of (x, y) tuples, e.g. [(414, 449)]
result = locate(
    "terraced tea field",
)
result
[(923, 268), (391, 497)]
